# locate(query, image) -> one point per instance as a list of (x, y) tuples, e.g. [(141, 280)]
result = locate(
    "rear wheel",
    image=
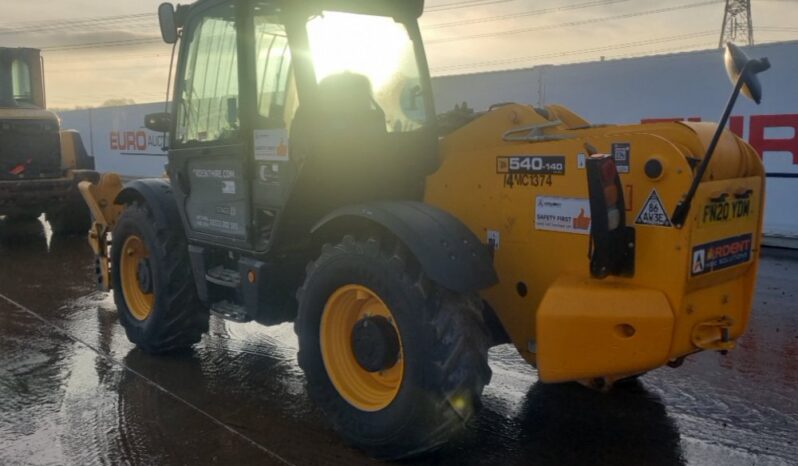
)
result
[(153, 285), (397, 363)]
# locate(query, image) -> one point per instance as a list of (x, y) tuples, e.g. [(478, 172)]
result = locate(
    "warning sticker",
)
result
[(717, 255), (653, 212), (622, 153), (565, 214), (270, 144)]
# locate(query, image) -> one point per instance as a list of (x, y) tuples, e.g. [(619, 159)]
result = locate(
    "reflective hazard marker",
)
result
[(653, 212)]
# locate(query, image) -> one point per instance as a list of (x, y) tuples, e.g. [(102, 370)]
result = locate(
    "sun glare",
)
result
[(376, 47)]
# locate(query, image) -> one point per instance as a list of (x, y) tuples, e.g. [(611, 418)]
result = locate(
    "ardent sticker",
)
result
[(721, 254)]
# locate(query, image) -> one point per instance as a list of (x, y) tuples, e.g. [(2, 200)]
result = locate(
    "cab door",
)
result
[(208, 163), (274, 171)]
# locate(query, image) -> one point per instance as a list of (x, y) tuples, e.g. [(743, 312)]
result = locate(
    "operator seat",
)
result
[(340, 141)]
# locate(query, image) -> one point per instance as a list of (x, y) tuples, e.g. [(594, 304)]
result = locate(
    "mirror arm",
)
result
[(683, 206)]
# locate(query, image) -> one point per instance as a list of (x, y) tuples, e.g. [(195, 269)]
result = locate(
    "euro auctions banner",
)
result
[(117, 138)]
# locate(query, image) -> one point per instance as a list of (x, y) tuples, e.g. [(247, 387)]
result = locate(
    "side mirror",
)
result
[(742, 71), (158, 122), (166, 19), (739, 66)]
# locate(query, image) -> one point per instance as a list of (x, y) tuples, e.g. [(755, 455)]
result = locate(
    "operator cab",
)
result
[(285, 111)]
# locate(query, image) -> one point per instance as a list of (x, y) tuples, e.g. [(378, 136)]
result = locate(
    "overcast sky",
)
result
[(526, 33)]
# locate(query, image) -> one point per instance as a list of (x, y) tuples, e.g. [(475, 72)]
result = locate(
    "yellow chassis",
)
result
[(569, 324)]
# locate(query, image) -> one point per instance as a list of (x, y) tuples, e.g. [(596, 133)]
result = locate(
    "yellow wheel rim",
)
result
[(367, 391), (138, 302)]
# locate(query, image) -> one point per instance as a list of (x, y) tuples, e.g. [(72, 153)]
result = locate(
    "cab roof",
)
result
[(406, 9)]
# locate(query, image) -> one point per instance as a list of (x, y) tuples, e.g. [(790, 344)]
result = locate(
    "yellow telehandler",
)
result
[(310, 180)]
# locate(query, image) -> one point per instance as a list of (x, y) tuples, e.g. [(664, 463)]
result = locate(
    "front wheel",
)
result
[(153, 285), (397, 363)]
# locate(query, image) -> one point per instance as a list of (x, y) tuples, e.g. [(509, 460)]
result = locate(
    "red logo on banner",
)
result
[(128, 140)]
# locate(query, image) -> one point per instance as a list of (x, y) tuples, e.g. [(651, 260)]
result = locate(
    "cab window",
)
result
[(276, 91), (377, 49), (20, 81), (208, 104)]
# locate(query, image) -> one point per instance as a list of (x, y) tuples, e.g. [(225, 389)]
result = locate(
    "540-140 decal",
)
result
[(530, 170)]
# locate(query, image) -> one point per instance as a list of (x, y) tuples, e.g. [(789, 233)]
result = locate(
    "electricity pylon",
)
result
[(737, 25)]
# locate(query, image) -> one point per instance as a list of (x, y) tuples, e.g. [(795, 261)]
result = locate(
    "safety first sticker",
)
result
[(271, 144), (564, 214), (721, 254)]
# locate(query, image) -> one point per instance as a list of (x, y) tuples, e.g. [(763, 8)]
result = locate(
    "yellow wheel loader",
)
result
[(310, 180), (40, 165)]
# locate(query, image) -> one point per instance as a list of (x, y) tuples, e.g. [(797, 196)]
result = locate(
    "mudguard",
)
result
[(157, 194), (450, 254)]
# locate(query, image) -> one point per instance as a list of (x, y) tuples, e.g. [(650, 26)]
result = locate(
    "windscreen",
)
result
[(379, 49), (15, 83), (20, 82)]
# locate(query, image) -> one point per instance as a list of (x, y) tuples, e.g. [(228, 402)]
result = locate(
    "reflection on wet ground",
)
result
[(73, 390)]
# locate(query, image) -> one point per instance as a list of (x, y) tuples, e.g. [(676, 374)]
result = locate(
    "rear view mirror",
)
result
[(166, 19), (742, 71), (739, 66), (158, 122)]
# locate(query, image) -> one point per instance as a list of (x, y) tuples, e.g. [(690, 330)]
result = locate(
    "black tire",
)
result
[(71, 218), (178, 318), (445, 345)]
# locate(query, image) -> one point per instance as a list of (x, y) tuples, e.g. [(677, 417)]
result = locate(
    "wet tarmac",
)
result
[(73, 390)]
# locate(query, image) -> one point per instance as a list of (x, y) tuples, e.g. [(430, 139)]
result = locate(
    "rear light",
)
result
[(611, 241)]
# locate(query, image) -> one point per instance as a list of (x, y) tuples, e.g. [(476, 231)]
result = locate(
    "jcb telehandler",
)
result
[(309, 180), (40, 165)]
